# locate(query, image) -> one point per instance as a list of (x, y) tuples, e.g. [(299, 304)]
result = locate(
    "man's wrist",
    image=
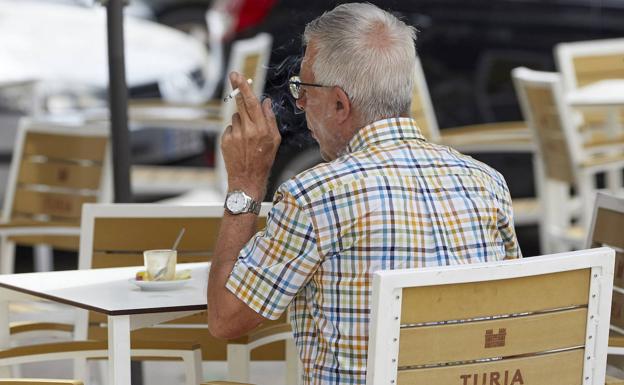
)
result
[(255, 191)]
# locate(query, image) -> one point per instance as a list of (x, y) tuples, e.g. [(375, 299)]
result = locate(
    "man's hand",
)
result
[(250, 143)]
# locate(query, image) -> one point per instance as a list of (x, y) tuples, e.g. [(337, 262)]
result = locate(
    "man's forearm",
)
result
[(224, 308)]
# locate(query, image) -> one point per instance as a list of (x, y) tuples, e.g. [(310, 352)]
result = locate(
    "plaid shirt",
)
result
[(393, 201)]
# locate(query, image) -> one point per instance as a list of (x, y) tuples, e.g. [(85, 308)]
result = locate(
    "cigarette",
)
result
[(235, 92)]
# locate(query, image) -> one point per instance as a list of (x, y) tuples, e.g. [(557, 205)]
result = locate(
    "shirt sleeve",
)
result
[(278, 261), (507, 229)]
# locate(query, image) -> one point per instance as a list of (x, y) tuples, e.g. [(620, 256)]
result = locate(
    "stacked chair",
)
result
[(565, 162), (606, 230)]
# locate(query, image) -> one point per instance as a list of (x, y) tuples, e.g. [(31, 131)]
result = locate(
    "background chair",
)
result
[(564, 163), (250, 57), (116, 235), (581, 64), (55, 169), (467, 324), (606, 230)]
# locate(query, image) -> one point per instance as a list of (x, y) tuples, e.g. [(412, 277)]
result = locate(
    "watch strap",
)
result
[(254, 207)]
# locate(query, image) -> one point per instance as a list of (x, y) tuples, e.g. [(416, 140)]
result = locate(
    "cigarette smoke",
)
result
[(290, 119)]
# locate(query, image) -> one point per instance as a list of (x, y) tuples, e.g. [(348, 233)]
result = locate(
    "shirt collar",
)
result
[(393, 129)]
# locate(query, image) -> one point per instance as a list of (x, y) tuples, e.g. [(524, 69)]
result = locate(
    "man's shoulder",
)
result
[(316, 181)]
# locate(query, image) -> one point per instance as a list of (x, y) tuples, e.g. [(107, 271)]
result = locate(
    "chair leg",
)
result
[(7, 256), (193, 367), (80, 369), (43, 258), (293, 363), (238, 362)]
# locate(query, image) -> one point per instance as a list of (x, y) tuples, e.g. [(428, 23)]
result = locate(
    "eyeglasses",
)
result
[(294, 85)]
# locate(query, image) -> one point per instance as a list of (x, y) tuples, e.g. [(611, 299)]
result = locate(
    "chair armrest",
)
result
[(489, 137)]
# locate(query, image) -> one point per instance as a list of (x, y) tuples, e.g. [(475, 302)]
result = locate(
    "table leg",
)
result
[(5, 340), (119, 350)]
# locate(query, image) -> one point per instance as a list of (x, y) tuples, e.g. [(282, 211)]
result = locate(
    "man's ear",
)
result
[(343, 104)]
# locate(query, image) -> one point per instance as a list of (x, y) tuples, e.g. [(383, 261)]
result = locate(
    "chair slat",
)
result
[(250, 66), (59, 242), (618, 277), (590, 69), (70, 147), (57, 205), (550, 134), (213, 349), (59, 174), (510, 296), (565, 368), (496, 338), (104, 260), (608, 228), (617, 309)]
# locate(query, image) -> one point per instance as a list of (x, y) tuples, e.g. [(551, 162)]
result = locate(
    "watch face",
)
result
[(236, 202)]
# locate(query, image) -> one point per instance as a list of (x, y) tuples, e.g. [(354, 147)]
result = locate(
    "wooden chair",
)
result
[(480, 138), (469, 325), (606, 230), (55, 169), (583, 63), (116, 235), (563, 161), (250, 57)]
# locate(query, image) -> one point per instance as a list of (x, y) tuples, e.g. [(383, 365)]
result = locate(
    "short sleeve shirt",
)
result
[(393, 201)]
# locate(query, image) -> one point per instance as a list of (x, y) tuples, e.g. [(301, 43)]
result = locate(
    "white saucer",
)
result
[(160, 285)]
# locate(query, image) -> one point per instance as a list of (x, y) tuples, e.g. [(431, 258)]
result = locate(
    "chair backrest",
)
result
[(606, 230), (585, 62), (422, 108), (251, 58), (55, 170), (535, 321), (547, 116), (114, 235)]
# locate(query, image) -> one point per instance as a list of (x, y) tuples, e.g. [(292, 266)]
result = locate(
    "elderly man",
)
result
[(385, 199)]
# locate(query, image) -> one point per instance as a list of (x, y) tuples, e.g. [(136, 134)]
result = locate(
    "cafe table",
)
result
[(110, 292)]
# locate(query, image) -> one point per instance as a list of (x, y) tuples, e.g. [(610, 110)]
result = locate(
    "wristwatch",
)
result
[(237, 202)]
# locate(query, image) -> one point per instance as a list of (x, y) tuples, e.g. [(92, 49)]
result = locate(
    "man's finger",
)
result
[(249, 99), (240, 105), (269, 115)]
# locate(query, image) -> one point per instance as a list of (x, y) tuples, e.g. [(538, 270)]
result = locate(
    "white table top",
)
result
[(109, 291), (604, 93), (54, 42)]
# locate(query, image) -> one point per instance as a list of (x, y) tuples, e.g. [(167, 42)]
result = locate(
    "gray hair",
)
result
[(367, 52)]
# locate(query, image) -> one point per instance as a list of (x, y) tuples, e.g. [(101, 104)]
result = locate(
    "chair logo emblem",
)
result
[(62, 175), (495, 340)]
